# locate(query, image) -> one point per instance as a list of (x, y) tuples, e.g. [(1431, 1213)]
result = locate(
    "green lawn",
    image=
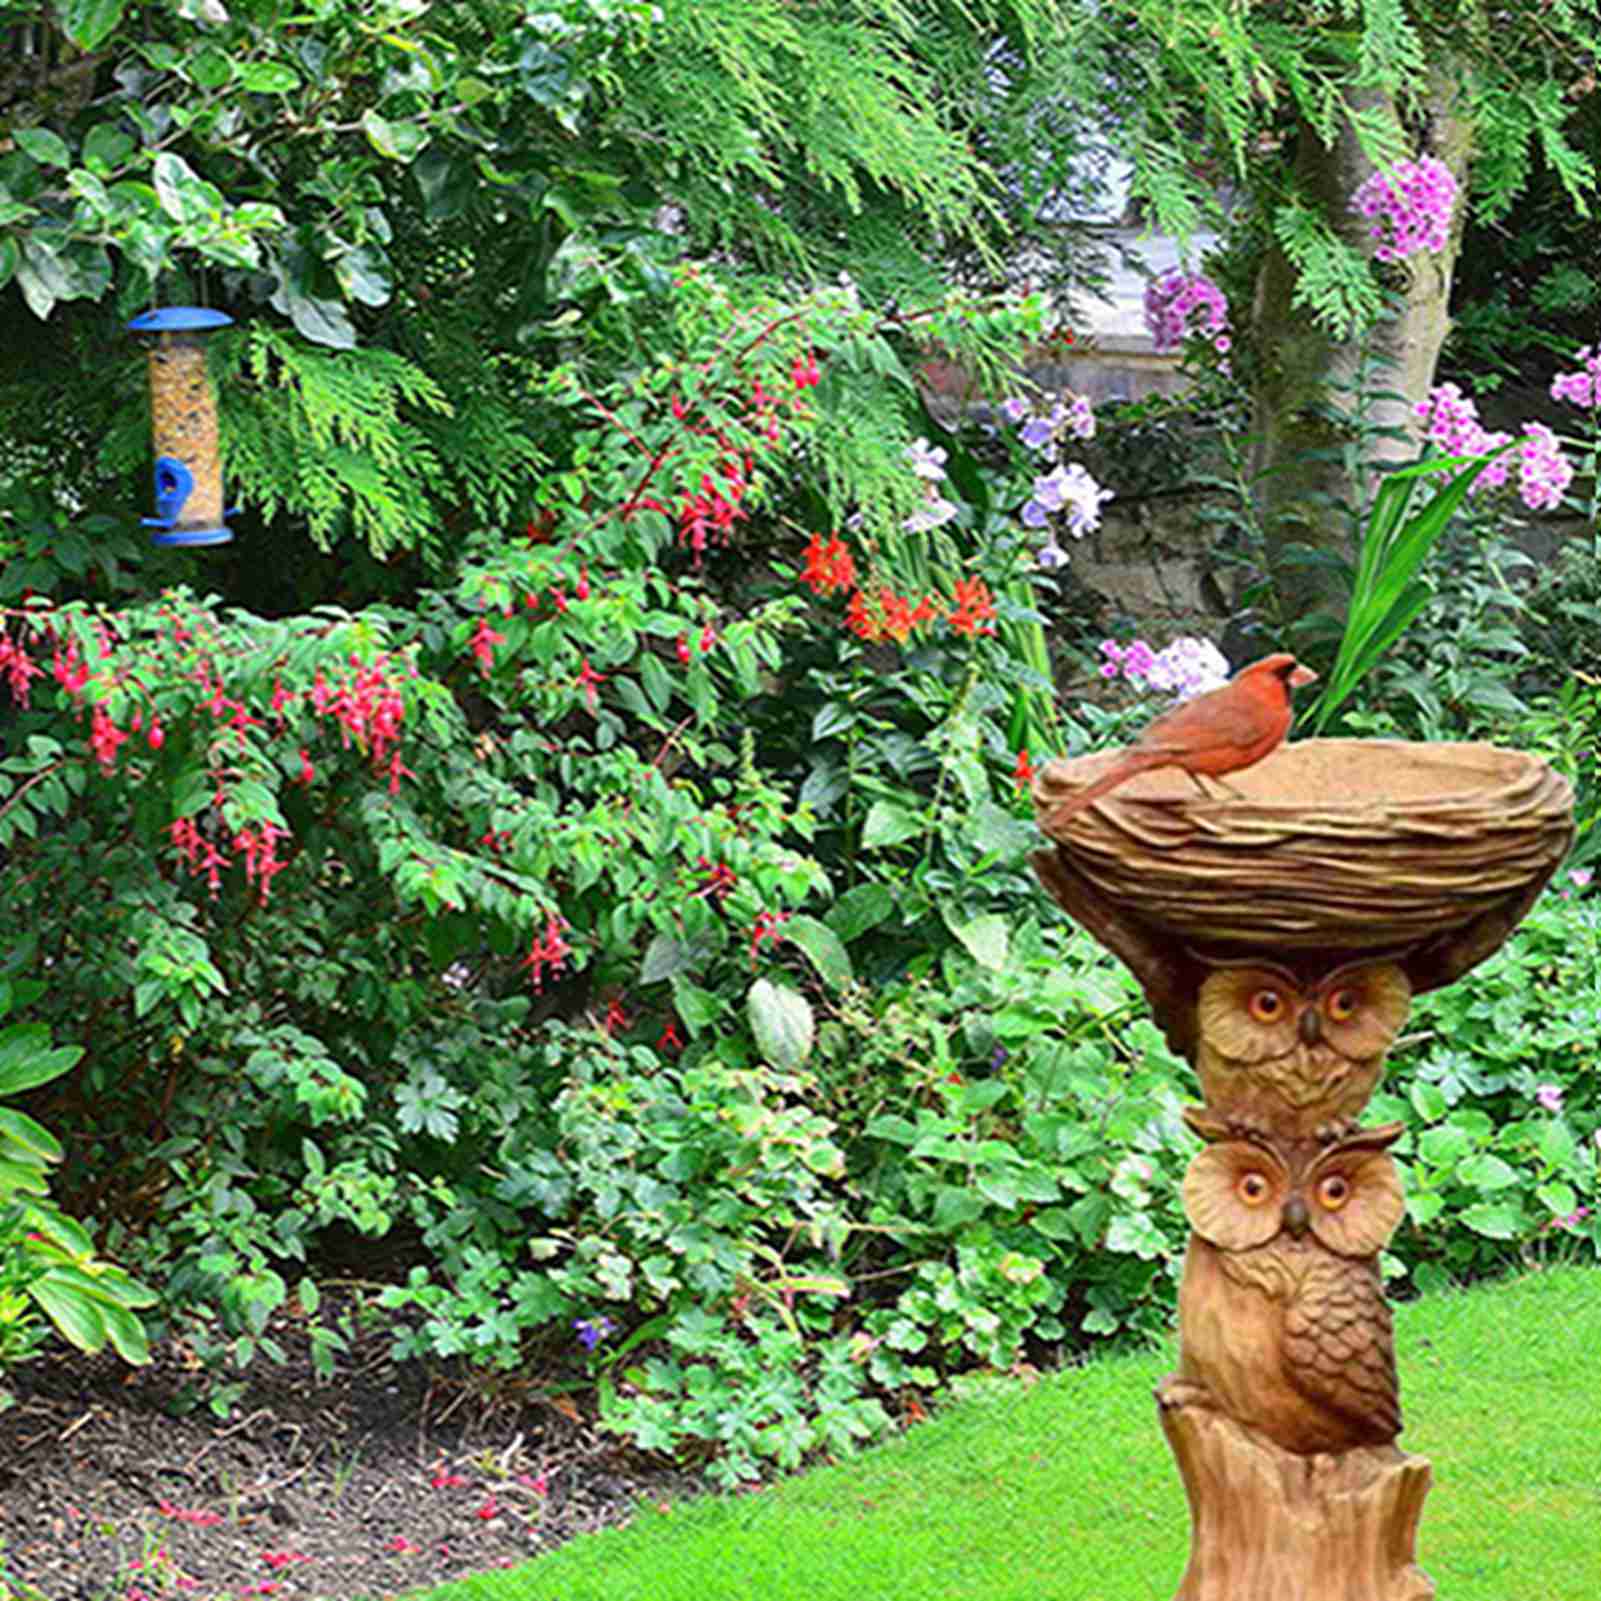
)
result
[(1066, 1490)]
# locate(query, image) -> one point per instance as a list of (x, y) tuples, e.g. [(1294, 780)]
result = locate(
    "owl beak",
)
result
[(1311, 1029), (1295, 1216)]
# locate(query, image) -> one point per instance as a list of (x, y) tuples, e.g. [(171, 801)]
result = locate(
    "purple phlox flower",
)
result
[(1222, 344), (1015, 408), (1050, 555), (1544, 473), (1550, 1097), (998, 1057), (593, 1330), (1580, 877), (1081, 418), (1181, 303), (1581, 388), (928, 461), (1410, 207), (1038, 432), (1133, 661), (1188, 667), (1069, 489), (931, 514)]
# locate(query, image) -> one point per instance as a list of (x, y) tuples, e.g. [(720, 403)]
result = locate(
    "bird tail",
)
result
[(1119, 772)]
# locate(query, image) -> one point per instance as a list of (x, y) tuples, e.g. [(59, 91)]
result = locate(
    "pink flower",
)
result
[(447, 1481), (484, 641), (1581, 388), (402, 1546), (282, 1559), (490, 1508), (1179, 304), (1550, 1097), (1410, 207)]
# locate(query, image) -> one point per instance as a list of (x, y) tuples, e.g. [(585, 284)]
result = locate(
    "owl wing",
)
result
[(1339, 1348)]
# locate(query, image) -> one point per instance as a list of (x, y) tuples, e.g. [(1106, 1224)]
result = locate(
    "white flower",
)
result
[(1188, 667), (928, 461)]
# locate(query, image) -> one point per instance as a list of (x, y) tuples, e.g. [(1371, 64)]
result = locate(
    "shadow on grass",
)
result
[(1065, 1491)]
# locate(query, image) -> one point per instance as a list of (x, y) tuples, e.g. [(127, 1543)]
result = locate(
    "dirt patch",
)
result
[(387, 1479)]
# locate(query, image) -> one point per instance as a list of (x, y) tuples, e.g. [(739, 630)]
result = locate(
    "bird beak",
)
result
[(1296, 1217), (1311, 1028), (1302, 676)]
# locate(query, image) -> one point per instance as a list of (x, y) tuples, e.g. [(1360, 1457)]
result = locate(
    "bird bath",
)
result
[(1279, 934)]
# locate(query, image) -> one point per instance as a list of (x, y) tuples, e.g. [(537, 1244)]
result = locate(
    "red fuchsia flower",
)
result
[(70, 672), (104, 738), (495, 839), (484, 641), (19, 667), (670, 1040), (616, 1018), (447, 1481), (549, 949), (581, 590), (402, 1546), (156, 737), (718, 883), (259, 850), (683, 649), (974, 607), (828, 566), (589, 681), (200, 853), (539, 1483), (282, 1559), (1023, 773), (307, 771), (708, 638), (487, 1509), (804, 372), (767, 929), (397, 771)]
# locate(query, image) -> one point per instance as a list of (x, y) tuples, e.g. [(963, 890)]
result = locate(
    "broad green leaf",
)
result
[(1496, 1220), (889, 823), (699, 1008), (860, 909), (399, 141), (823, 945), (664, 957), (80, 1317), (782, 1022), (127, 1333), (985, 939), (88, 23), (268, 77), (37, 1141), (211, 68), (47, 148), (26, 1059)]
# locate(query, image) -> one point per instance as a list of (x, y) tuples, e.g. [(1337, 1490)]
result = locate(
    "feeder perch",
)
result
[(183, 410)]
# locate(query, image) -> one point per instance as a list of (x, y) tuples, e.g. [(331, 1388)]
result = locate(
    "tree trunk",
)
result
[(1304, 372), (1268, 1525)]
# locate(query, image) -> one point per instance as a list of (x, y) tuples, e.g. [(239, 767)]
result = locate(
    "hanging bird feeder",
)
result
[(183, 414)]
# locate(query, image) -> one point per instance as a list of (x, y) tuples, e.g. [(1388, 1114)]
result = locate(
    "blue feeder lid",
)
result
[(173, 319)]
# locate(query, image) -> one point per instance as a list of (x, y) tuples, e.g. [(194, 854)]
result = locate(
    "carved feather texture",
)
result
[(1339, 1348)]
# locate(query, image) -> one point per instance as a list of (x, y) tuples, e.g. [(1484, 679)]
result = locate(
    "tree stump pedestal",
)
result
[(1267, 1525)]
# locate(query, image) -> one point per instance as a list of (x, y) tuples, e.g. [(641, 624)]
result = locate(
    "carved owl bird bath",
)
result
[(1280, 934)]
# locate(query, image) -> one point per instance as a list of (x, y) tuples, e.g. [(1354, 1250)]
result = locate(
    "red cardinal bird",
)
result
[(1216, 733)]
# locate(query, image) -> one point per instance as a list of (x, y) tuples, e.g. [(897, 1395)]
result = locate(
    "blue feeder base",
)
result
[(191, 536)]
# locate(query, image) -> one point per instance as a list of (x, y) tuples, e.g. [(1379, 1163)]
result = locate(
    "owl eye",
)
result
[(1267, 1006), (1334, 1191), (1254, 1188), (1342, 1004)]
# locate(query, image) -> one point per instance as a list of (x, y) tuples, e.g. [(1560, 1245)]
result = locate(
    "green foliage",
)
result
[(48, 1263)]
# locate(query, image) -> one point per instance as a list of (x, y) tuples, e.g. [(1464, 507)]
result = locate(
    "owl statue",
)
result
[(1294, 1057), (1285, 1327)]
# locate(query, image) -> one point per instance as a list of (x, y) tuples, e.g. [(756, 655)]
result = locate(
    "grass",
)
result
[(1065, 1491)]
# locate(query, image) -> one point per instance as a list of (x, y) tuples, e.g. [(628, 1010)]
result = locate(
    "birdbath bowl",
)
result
[(1279, 931)]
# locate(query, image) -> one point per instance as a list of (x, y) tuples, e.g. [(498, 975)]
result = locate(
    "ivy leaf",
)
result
[(400, 141), (782, 1023), (364, 274), (88, 23), (47, 148)]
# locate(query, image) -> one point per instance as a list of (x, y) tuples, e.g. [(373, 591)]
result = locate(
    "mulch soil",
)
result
[(383, 1481)]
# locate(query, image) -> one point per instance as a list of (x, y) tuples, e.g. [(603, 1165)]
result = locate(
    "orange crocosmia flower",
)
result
[(901, 618), (829, 566), (974, 607), (860, 620)]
